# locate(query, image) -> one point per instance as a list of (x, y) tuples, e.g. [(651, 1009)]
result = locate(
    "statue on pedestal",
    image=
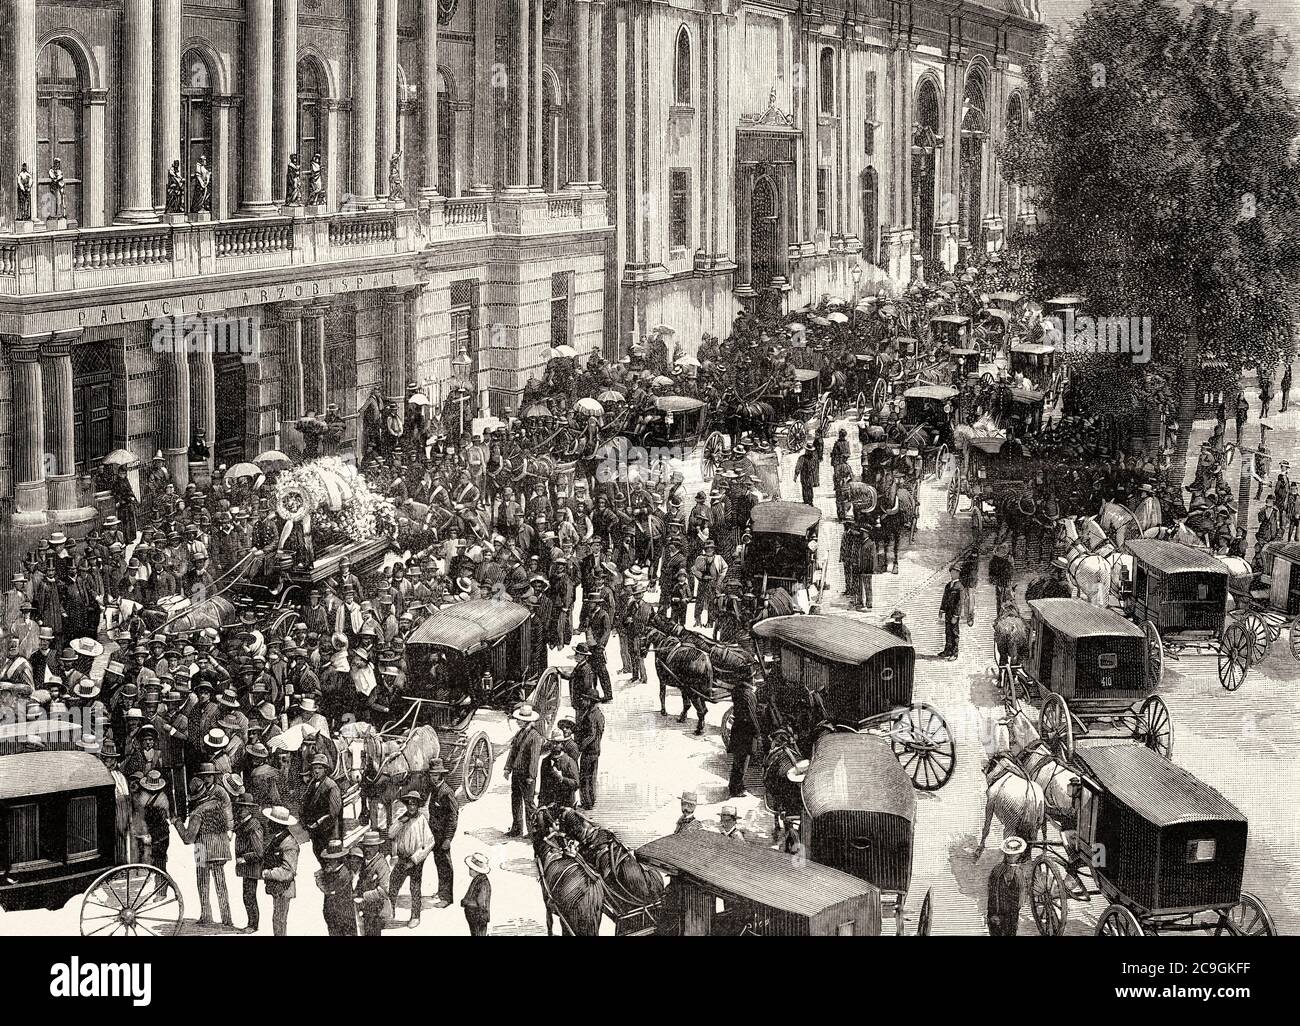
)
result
[(316, 182), (175, 189), (201, 178), (55, 177), (293, 182), (24, 195), (396, 191)]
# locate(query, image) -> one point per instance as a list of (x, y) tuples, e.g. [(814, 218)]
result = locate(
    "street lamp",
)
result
[(462, 363)]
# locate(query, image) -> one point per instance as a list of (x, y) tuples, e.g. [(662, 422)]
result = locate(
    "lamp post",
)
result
[(856, 275), (462, 363)]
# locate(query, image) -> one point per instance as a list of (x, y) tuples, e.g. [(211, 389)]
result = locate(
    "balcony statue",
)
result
[(24, 195), (201, 179), (396, 191), (55, 178), (293, 182), (175, 189), (316, 182)]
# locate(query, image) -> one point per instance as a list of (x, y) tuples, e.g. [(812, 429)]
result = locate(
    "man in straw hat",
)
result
[(280, 865), (334, 878), (521, 767), (559, 774), (477, 902), (687, 822), (1003, 911), (412, 841), (372, 892), (728, 825)]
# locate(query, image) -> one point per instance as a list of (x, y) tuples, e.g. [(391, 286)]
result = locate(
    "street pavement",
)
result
[(1246, 744)]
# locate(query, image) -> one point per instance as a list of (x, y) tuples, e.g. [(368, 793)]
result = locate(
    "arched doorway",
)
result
[(312, 97), (974, 132), (925, 156), (871, 215), (762, 232), (447, 185), (60, 97)]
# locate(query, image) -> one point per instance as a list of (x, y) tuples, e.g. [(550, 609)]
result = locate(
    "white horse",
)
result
[(1091, 558), (1059, 783)]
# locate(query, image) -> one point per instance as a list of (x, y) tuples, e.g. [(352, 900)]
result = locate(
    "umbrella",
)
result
[(611, 395), (121, 458), (662, 382), (662, 329), (272, 457), (794, 327), (688, 361), (586, 405), (564, 352), (819, 320), (537, 410), (419, 399), (838, 317), (243, 470)]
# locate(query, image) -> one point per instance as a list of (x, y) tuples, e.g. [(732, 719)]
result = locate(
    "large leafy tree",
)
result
[(1160, 157)]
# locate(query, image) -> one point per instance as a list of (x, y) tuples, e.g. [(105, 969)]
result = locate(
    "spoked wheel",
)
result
[(546, 698), (940, 459), (714, 446), (1056, 728), (1234, 657), (1118, 921), (795, 438), (1155, 653), (923, 923), (1155, 727), (862, 401), (132, 901), (1248, 918), (924, 746), (728, 718), (878, 392), (1048, 896), (954, 497), (1259, 633), (986, 379), (475, 770), (1293, 638)]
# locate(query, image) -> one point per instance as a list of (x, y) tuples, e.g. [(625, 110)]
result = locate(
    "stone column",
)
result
[(315, 396), (582, 13), (364, 49), (387, 85), (291, 368), (394, 347), (137, 112), (519, 89), (595, 172), (286, 92), (429, 183), (259, 108), (60, 455), (166, 95), (203, 394), (536, 124), (30, 492), (20, 29), (92, 186), (744, 262), (488, 97), (174, 390)]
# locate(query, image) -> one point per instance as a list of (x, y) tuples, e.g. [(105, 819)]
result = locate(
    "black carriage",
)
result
[(861, 676), (965, 363), (1179, 594), (1166, 851), (1267, 603), (58, 838), (672, 421), (1036, 361), (858, 815), (1024, 411), (466, 657), (782, 551), (930, 412), (719, 887), (1089, 671), (950, 330)]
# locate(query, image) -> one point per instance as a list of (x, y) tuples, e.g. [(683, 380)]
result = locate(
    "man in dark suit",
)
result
[(558, 776), (374, 905), (582, 679), (444, 814), (590, 733), (280, 866), (521, 767), (322, 806), (744, 732), (955, 603), (599, 627)]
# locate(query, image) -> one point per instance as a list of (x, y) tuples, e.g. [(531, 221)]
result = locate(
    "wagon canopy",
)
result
[(1160, 792), (466, 627), (755, 874), (1026, 396), (940, 392), (804, 374), (1288, 551), (834, 638), (1075, 618), (950, 319), (1176, 558), (37, 773), (677, 404), (778, 517), (1033, 349), (857, 773)]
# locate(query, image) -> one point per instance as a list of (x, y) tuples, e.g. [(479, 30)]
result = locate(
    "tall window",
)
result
[(92, 412), (679, 208), (464, 333), (974, 129), (823, 196), (311, 112), (446, 184), (552, 135), (561, 286), (870, 213), (83, 827), (59, 97), (826, 80), (196, 113), (1015, 125), (682, 67)]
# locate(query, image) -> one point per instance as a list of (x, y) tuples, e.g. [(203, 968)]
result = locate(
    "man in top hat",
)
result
[(745, 734), (729, 826), (589, 735), (1003, 910), (955, 603), (600, 625), (581, 678), (521, 767), (559, 774), (477, 902), (322, 805), (687, 822), (806, 472), (412, 841), (280, 865), (372, 891)]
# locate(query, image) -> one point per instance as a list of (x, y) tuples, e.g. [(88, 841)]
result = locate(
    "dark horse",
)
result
[(629, 886), (686, 668), (571, 888)]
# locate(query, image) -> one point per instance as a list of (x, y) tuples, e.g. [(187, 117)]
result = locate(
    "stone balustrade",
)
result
[(363, 229), (466, 210), (251, 238), (121, 247)]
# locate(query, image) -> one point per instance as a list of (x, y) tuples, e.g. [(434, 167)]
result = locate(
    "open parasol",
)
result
[(418, 399), (687, 361), (564, 352), (611, 395), (588, 405), (662, 381), (537, 410), (838, 317), (121, 458), (272, 458), (243, 470)]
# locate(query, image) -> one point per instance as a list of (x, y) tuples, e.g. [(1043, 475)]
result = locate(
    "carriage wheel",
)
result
[(132, 901), (1155, 727), (924, 746), (546, 698), (923, 923), (714, 445), (474, 773), (986, 379), (795, 437), (1048, 896), (954, 497), (1248, 918), (878, 392), (1118, 921), (1293, 637), (1234, 657), (1155, 652), (1259, 634), (728, 718), (940, 460), (1056, 728)]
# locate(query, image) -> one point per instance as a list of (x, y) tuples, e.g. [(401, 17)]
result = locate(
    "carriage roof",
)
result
[(760, 875), (963, 352), (468, 626), (950, 319), (1030, 396), (990, 445), (834, 638), (804, 374), (1075, 618), (30, 774), (677, 403), (1006, 297), (1160, 792), (942, 392), (1170, 557), (1288, 551), (857, 773), (779, 517), (1033, 348)]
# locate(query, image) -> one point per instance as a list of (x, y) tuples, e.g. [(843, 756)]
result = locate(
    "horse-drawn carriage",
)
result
[(1088, 669), (782, 551), (1267, 603), (671, 421), (950, 330), (58, 838), (930, 413), (718, 887), (1038, 362), (1164, 850), (1179, 594)]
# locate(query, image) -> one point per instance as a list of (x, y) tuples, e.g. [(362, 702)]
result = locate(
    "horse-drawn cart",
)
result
[(1268, 603), (782, 551)]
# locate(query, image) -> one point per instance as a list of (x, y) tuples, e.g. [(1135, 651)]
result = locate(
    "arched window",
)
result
[(553, 134), (925, 155), (446, 131), (826, 80), (196, 113), (1015, 114), (682, 67), (974, 132), (312, 95), (60, 96)]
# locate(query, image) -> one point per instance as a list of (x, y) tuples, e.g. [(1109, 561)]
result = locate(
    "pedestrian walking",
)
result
[(806, 470), (444, 815), (955, 604), (1285, 394), (374, 906), (1001, 575), (1003, 909), (208, 829), (412, 841), (558, 775), (280, 865), (865, 570), (1242, 413), (334, 878), (745, 733), (589, 735), (250, 844), (477, 902), (521, 767)]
